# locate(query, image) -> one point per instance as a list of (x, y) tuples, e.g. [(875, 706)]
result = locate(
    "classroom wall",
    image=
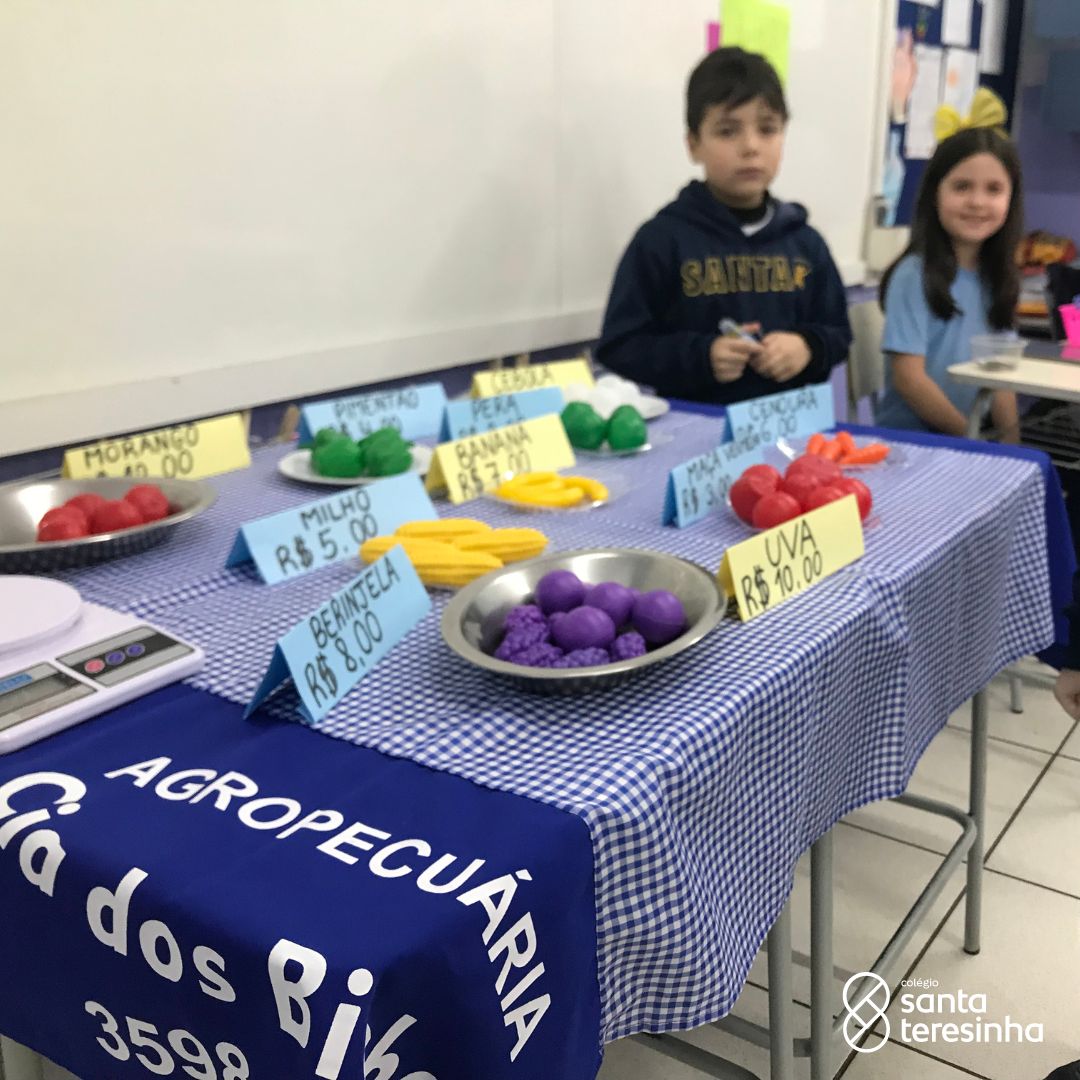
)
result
[(1050, 156)]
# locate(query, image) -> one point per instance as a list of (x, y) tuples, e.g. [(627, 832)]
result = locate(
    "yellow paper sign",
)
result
[(532, 377), (782, 562), (760, 26), (187, 451), (467, 467)]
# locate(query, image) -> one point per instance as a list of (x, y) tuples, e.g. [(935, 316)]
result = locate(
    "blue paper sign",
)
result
[(465, 418), (415, 411), (297, 541), (699, 486), (331, 650), (782, 416)]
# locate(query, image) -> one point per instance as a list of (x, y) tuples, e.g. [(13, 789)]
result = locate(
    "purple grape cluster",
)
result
[(571, 625)]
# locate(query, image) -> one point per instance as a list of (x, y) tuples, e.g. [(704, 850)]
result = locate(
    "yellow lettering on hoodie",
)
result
[(715, 281), (781, 275), (691, 278), (762, 265)]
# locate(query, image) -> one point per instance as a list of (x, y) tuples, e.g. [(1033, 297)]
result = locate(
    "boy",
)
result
[(725, 249)]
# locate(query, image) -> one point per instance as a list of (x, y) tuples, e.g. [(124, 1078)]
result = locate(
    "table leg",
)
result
[(781, 993), (973, 900), (821, 957), (982, 403)]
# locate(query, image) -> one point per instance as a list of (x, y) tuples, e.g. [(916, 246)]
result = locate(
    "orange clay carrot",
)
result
[(867, 455), (847, 443), (831, 450), (816, 443)]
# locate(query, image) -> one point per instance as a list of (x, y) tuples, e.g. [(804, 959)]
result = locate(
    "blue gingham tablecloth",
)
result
[(704, 780)]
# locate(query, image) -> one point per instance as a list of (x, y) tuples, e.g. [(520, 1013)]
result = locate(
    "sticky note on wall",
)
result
[(761, 27)]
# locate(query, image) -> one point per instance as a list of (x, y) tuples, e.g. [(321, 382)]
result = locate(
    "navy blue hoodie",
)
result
[(691, 266)]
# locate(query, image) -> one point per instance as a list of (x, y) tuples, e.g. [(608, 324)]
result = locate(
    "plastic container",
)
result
[(1070, 319), (998, 351)]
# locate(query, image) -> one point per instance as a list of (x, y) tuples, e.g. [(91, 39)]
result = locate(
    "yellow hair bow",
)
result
[(987, 111)]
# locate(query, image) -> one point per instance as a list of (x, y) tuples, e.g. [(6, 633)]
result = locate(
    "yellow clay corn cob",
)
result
[(415, 547), (509, 545), (443, 528)]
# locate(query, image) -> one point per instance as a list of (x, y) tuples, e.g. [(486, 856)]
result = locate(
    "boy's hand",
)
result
[(730, 355), (1067, 691), (782, 357)]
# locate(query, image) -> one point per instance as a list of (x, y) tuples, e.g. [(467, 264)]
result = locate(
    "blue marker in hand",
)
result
[(730, 328)]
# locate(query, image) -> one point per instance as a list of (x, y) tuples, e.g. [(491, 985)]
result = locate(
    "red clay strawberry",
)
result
[(149, 500), (63, 523), (87, 502), (113, 516)]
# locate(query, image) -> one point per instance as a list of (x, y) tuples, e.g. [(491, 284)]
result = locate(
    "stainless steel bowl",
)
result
[(472, 620), (22, 505)]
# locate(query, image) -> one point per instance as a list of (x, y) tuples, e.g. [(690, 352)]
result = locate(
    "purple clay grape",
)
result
[(542, 654), (555, 618), (522, 638), (522, 615), (583, 658), (584, 628), (559, 590), (628, 646), (658, 616), (613, 598)]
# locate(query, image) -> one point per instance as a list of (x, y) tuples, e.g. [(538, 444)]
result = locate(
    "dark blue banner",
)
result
[(188, 894)]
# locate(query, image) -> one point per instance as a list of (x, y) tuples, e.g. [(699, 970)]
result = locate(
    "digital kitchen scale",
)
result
[(63, 660)]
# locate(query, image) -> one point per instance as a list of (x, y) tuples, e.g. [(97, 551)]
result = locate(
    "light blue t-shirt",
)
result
[(911, 327)]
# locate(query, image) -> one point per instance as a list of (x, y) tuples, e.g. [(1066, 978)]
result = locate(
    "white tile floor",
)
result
[(1029, 967)]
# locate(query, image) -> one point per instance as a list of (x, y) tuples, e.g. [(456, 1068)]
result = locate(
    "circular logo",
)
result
[(865, 1010)]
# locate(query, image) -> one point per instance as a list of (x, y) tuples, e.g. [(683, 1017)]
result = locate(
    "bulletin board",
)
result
[(936, 61)]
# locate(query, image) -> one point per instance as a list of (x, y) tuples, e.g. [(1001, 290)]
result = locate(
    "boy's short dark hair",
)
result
[(732, 76)]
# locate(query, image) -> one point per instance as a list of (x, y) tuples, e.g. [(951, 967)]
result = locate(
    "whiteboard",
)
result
[(210, 205)]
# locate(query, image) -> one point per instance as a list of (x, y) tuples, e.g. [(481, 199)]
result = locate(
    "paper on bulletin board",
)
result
[(992, 38), (956, 22), (762, 27), (961, 79), (925, 98), (903, 75)]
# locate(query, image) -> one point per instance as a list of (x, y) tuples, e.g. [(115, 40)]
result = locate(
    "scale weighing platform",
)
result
[(63, 660)]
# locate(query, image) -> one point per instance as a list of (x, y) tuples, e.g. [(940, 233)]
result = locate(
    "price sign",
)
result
[(512, 380), (468, 467), (293, 542), (782, 416), (415, 411), (187, 451), (330, 651), (779, 563), (699, 486), (464, 418)]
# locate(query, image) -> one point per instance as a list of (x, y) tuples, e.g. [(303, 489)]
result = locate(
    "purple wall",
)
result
[(1051, 162)]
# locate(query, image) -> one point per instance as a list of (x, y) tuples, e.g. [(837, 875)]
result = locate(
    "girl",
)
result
[(958, 278)]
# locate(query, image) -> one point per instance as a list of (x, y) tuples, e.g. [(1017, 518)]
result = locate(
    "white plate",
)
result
[(297, 466), (617, 487), (652, 407), (605, 451), (793, 448)]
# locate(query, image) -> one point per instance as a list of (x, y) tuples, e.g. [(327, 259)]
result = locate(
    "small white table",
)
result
[(1056, 379)]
